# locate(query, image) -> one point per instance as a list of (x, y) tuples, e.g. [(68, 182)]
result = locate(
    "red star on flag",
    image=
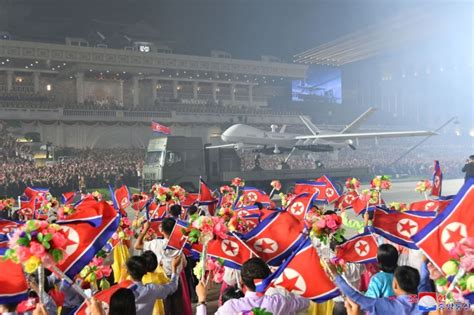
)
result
[(290, 283), (406, 227), (362, 248), (454, 235), (229, 247)]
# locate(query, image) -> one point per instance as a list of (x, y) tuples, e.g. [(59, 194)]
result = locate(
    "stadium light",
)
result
[(471, 132)]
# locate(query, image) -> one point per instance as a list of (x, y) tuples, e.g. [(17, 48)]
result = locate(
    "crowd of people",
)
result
[(379, 159), (74, 168)]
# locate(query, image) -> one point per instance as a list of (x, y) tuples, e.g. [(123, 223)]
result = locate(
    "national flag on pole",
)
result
[(68, 197), (330, 192), (28, 208), (159, 128), (251, 195), (400, 226), (311, 187), (7, 227), (301, 204), (297, 275), (105, 295), (430, 205), (86, 236), (451, 226), (121, 197), (232, 250), (346, 200), (276, 237), (205, 197), (140, 201), (35, 192), (437, 180), (190, 199), (177, 239), (361, 248), (13, 286)]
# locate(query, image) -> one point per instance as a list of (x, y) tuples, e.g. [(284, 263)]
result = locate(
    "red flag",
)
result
[(105, 295), (88, 230), (250, 195), (437, 180), (300, 205), (429, 205), (310, 187), (38, 193), (7, 227), (13, 286), (400, 226), (346, 200), (331, 194), (122, 197), (177, 238), (297, 275), (360, 249), (190, 199), (451, 226), (68, 197), (159, 128), (206, 198), (231, 250), (276, 237), (28, 208)]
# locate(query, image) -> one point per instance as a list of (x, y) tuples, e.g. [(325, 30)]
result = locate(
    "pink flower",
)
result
[(218, 277), (220, 230), (37, 249), (467, 263), (59, 241), (99, 274), (23, 253), (331, 223), (106, 271), (321, 223)]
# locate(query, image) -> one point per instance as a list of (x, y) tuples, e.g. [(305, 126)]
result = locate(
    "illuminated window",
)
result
[(48, 87)]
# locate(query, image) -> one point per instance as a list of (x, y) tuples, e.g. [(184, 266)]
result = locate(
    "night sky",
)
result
[(244, 28)]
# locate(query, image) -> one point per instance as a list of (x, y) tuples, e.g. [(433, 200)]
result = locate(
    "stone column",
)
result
[(154, 83), (79, 87), (135, 91), (214, 91), (232, 93), (195, 90), (36, 82), (175, 89), (9, 80), (250, 94)]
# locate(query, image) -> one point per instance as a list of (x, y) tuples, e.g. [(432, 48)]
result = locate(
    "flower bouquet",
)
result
[(459, 271), (370, 197), (177, 193), (6, 204), (96, 273), (228, 197), (124, 232), (97, 195), (423, 186), (352, 184), (398, 206), (38, 244), (286, 199), (202, 230), (65, 211), (276, 185), (381, 183), (324, 227), (237, 182), (214, 268)]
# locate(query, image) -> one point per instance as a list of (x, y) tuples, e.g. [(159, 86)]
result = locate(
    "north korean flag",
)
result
[(35, 192), (249, 211), (87, 237), (7, 227), (13, 286), (437, 180), (430, 205), (190, 199), (68, 197), (451, 226), (206, 198), (276, 237), (105, 295), (121, 198), (231, 250), (159, 128), (140, 201), (346, 200), (301, 204), (298, 273), (331, 193), (177, 239), (28, 208), (400, 226), (360, 249), (251, 195), (311, 187), (155, 212), (360, 206)]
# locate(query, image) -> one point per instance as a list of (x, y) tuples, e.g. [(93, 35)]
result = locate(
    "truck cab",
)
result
[(174, 160)]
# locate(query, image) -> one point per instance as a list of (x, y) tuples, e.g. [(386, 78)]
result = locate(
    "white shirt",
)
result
[(164, 256)]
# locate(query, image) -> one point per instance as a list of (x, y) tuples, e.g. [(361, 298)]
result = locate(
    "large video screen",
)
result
[(322, 84)]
